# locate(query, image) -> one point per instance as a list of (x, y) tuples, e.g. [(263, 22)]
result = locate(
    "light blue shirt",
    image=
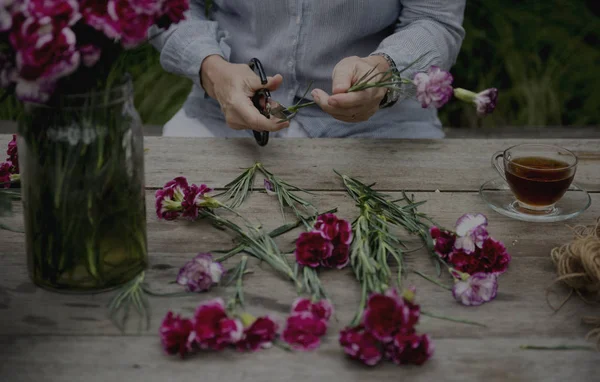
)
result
[(304, 39)]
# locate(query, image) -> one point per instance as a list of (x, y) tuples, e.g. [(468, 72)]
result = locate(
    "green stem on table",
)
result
[(361, 307), (312, 284), (452, 319), (237, 301), (432, 280), (558, 347)]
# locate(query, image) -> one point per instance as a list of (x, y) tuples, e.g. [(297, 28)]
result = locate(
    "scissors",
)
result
[(262, 101)]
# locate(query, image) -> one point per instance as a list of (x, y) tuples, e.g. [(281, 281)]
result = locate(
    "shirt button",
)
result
[(291, 63)]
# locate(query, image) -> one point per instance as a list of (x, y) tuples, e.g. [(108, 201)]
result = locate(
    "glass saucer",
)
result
[(498, 197)]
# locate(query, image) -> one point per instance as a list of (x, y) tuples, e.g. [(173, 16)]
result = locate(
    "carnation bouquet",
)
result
[(80, 142), (73, 46)]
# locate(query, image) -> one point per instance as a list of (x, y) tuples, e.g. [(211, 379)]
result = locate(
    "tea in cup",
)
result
[(538, 175)]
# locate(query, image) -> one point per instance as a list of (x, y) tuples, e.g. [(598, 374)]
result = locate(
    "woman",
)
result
[(331, 43)]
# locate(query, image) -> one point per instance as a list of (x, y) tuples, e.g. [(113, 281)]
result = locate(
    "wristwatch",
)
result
[(392, 95)]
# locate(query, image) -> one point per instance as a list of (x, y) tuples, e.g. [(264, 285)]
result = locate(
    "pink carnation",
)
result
[(312, 249), (169, 198), (13, 155), (361, 345), (213, 329), (304, 330), (5, 171), (486, 100), (147, 7), (95, 14), (62, 13), (44, 54), (175, 334), (322, 309), (410, 349), (260, 334), (443, 241), (130, 24), (434, 87), (193, 200)]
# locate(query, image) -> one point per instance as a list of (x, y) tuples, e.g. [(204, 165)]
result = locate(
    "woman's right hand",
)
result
[(233, 86)]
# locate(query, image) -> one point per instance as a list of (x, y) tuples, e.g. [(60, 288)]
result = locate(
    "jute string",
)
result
[(578, 266)]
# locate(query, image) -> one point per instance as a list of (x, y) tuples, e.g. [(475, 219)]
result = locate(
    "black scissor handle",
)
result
[(261, 137)]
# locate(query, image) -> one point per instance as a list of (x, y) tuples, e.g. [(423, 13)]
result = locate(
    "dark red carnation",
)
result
[(175, 334), (193, 196), (464, 262), (213, 329), (304, 330), (13, 155), (359, 344), (340, 257), (322, 309), (494, 256), (443, 241), (260, 334), (383, 316), (312, 248), (410, 349), (5, 172)]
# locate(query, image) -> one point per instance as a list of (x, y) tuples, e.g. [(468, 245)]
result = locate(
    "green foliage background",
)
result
[(543, 56)]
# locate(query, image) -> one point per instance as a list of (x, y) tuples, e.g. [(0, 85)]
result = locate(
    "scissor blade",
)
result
[(279, 110)]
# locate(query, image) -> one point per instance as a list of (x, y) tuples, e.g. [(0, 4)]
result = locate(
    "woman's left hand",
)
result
[(355, 106)]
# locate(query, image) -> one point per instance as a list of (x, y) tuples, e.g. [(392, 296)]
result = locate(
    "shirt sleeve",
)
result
[(184, 46), (432, 29)]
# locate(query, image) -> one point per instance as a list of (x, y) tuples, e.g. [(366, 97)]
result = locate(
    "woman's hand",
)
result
[(233, 86), (355, 106)]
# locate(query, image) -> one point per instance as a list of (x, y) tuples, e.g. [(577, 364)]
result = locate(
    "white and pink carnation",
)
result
[(147, 7), (200, 274), (131, 24), (44, 54), (434, 87), (476, 289), (471, 231), (61, 13), (95, 14)]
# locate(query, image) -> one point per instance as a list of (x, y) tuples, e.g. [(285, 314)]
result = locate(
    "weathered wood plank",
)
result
[(134, 359), (446, 165), (171, 244), (519, 309), (444, 207)]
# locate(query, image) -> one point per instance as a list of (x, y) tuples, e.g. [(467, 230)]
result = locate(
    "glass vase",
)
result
[(82, 180)]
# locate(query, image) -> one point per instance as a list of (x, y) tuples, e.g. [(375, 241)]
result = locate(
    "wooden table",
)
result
[(59, 337)]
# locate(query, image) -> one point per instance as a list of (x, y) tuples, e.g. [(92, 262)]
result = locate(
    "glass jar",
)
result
[(82, 180)]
